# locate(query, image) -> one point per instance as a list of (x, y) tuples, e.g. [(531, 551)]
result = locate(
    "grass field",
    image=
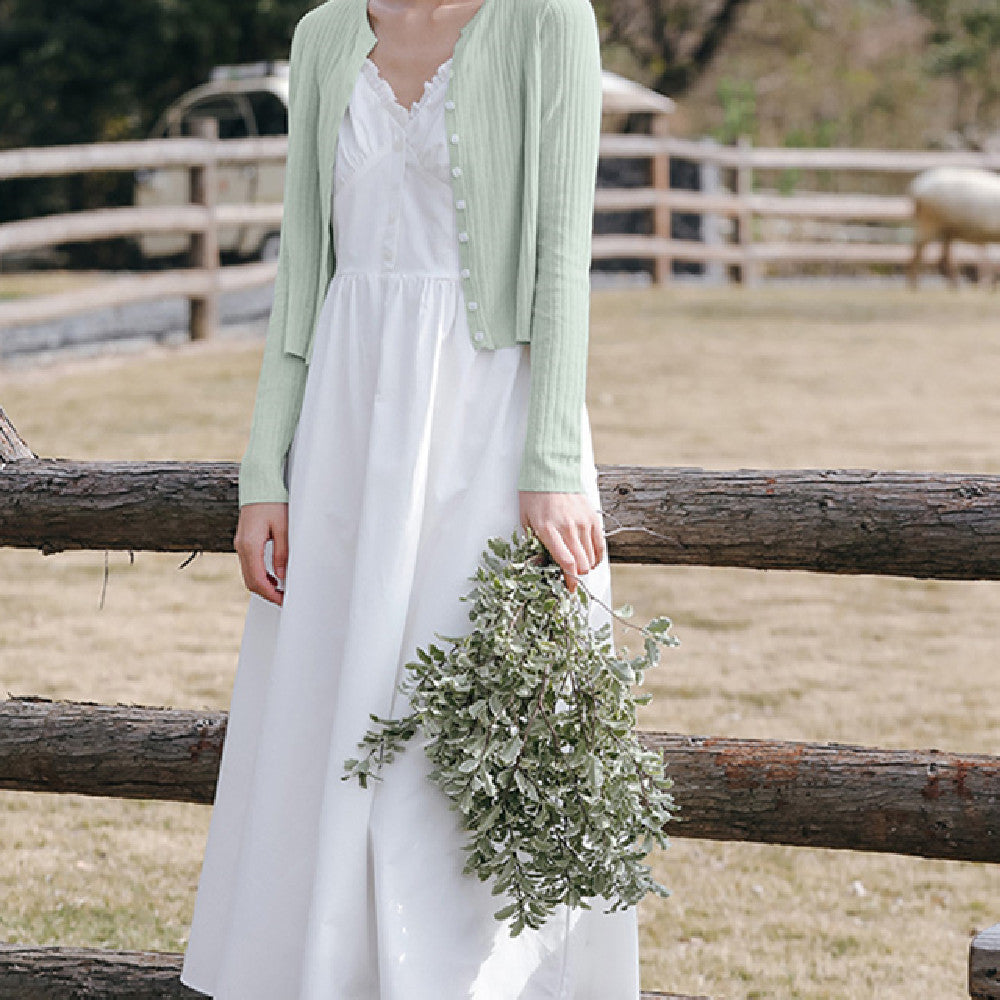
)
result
[(798, 376)]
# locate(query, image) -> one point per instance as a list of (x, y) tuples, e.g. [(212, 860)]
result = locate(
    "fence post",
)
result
[(711, 222), (204, 251), (662, 269), (744, 221)]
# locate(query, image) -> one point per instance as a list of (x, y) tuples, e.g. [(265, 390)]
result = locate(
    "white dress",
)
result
[(404, 461)]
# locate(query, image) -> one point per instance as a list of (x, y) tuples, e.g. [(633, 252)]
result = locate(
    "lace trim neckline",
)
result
[(383, 86)]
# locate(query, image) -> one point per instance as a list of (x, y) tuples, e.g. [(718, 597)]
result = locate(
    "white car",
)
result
[(247, 100)]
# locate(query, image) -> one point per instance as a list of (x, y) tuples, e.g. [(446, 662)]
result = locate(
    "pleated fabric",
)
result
[(312, 888)]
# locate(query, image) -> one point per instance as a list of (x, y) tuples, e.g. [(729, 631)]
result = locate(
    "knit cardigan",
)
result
[(523, 111)]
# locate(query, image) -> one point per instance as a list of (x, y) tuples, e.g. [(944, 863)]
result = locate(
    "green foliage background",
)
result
[(102, 70), (95, 70)]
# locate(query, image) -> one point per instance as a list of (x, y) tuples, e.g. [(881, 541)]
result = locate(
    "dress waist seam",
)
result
[(453, 277)]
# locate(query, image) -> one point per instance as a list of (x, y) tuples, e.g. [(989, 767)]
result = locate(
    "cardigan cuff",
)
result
[(258, 485)]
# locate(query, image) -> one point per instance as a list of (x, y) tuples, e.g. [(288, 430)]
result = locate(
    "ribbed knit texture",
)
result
[(526, 90), (282, 380)]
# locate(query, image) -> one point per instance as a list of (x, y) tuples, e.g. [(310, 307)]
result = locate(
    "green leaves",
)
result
[(529, 725)]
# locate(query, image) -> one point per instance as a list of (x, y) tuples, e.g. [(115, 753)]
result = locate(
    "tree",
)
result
[(99, 70), (665, 43), (89, 70), (964, 45)]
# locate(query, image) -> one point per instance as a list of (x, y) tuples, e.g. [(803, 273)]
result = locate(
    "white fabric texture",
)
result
[(312, 888)]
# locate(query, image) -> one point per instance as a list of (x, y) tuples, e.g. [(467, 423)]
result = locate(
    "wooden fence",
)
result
[(203, 281), (739, 251), (730, 191), (923, 803)]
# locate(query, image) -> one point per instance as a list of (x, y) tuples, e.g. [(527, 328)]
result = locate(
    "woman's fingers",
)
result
[(565, 523), (597, 534), (586, 535), (257, 579), (582, 562), (259, 522), (280, 552), (572, 559)]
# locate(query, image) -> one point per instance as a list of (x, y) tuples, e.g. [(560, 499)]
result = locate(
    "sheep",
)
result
[(954, 203)]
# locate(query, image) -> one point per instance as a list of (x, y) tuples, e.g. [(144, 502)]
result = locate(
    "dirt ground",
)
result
[(808, 375)]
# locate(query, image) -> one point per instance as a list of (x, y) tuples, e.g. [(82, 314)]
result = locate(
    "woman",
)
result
[(422, 388)]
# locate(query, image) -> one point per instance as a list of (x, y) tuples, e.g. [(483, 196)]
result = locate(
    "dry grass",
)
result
[(823, 376)]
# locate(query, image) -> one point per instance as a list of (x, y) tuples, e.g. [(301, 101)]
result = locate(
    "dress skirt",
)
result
[(404, 461)]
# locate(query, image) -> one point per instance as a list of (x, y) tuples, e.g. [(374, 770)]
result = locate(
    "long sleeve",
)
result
[(282, 379), (571, 94)]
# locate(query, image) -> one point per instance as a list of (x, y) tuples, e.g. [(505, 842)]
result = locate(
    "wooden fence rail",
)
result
[(92, 973), (745, 252), (51, 161), (924, 803), (827, 158), (945, 526)]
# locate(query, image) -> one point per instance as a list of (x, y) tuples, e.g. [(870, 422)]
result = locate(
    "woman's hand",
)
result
[(258, 522), (569, 527)]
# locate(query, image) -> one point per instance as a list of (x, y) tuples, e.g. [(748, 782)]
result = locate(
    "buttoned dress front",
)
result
[(404, 461)]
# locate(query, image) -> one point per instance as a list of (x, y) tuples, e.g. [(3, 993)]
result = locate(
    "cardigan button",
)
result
[(479, 335), (456, 171), (454, 138), (460, 204), (463, 237), (450, 105), (473, 306), (466, 272)]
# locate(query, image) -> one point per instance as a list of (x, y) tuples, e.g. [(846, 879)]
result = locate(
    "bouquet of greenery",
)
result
[(529, 725)]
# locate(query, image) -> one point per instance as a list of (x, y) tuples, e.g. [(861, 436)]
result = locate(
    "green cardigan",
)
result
[(523, 115)]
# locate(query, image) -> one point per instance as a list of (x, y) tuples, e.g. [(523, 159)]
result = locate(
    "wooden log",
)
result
[(52, 973), (889, 523), (118, 751), (921, 803), (57, 504), (924, 803), (936, 525), (984, 965), (55, 973)]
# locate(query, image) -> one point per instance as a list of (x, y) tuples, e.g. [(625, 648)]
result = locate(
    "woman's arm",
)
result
[(263, 495), (552, 497), (570, 67), (282, 379)]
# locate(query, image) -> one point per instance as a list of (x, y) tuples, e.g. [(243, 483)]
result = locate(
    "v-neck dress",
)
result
[(403, 463)]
